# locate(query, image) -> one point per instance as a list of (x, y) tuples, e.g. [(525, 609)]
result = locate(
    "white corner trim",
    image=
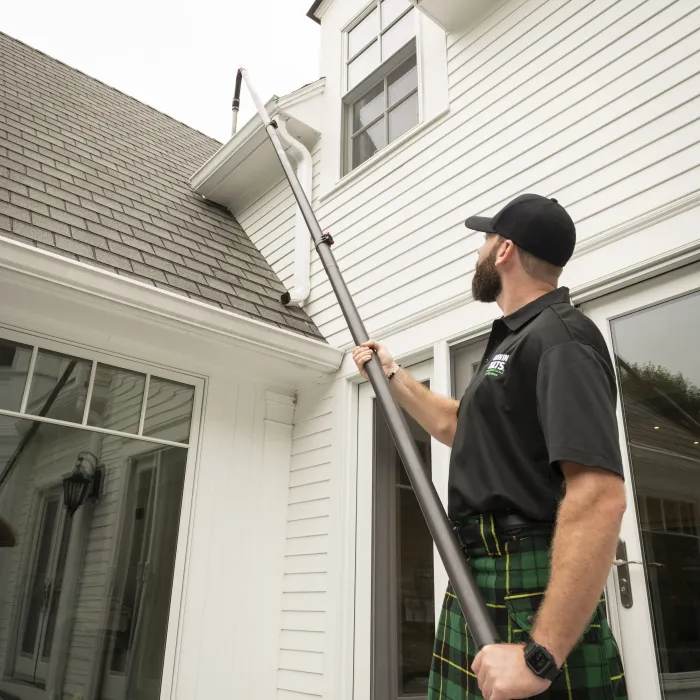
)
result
[(178, 310), (380, 156)]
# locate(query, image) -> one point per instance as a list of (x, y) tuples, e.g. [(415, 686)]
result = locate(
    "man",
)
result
[(536, 493)]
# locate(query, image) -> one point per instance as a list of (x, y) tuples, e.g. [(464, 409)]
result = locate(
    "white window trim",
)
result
[(181, 567), (433, 101)]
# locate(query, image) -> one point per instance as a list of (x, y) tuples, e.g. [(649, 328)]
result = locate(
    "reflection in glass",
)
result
[(366, 144), (59, 386), (54, 580), (368, 107), (403, 576), (659, 368), (14, 365), (117, 397), (168, 410), (403, 117), (403, 80)]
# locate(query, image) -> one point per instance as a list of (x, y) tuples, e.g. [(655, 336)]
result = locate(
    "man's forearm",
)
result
[(584, 546), (436, 414)]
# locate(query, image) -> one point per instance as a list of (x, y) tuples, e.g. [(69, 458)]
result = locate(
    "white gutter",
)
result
[(301, 285)]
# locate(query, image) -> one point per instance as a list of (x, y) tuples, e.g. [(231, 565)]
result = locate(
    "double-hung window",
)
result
[(382, 98)]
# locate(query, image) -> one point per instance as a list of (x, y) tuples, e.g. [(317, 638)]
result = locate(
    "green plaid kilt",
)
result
[(512, 573)]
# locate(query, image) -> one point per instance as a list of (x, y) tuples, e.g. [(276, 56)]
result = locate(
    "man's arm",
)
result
[(436, 414), (587, 530)]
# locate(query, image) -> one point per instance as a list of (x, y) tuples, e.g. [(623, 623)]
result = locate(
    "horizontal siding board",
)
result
[(306, 564), (307, 527), (311, 459), (310, 475), (295, 640), (309, 544), (314, 602), (308, 662), (300, 682)]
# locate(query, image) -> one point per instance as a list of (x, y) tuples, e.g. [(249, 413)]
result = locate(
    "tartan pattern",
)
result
[(512, 573)]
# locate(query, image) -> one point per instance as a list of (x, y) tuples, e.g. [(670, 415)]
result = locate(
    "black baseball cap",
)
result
[(7, 534), (538, 225)]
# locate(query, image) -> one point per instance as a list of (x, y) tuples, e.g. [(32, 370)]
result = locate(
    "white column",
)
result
[(441, 383)]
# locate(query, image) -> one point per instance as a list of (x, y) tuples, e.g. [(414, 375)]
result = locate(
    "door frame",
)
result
[(363, 545), (633, 627)]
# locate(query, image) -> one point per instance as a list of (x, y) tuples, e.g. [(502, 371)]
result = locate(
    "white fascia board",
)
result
[(178, 310), (243, 150)]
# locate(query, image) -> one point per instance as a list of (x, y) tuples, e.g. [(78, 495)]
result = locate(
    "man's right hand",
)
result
[(363, 353)]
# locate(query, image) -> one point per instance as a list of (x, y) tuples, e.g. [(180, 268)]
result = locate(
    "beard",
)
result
[(486, 283)]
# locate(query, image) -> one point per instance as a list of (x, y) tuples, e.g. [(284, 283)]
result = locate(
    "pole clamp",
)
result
[(327, 238), (273, 123)]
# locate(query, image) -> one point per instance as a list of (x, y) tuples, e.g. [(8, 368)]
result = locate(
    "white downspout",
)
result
[(301, 283)]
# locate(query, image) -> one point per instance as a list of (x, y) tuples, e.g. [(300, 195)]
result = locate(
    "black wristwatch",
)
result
[(541, 662)]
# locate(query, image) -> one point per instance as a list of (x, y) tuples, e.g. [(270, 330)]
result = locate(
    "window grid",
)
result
[(22, 413), (384, 114), (375, 7)]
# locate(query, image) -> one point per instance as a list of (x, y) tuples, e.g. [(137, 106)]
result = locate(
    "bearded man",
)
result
[(536, 493)]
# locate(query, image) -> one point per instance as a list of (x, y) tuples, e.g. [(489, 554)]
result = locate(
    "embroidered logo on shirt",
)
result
[(497, 366)]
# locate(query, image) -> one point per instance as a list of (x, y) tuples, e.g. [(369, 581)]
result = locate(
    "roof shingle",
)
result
[(97, 176)]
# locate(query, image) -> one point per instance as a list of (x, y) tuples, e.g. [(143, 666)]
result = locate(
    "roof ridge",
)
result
[(52, 59)]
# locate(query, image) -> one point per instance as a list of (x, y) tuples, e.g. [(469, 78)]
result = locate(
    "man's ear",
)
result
[(506, 251)]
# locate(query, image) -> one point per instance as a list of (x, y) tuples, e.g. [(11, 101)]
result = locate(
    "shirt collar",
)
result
[(526, 313)]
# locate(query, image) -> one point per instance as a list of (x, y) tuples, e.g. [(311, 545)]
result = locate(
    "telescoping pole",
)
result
[(480, 624)]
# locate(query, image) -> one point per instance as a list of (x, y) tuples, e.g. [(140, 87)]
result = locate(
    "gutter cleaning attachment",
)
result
[(301, 285), (458, 570)]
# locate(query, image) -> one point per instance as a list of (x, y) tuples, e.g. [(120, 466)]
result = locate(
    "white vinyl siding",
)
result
[(270, 220), (595, 103), (304, 597)]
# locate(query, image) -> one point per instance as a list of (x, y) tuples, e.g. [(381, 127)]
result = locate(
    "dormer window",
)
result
[(381, 77)]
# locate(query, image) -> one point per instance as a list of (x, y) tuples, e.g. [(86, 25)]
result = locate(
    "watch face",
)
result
[(539, 660)]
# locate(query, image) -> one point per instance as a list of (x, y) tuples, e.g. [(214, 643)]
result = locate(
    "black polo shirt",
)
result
[(544, 392)]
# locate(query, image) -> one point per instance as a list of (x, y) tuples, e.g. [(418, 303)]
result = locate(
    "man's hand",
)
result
[(363, 354), (504, 675)]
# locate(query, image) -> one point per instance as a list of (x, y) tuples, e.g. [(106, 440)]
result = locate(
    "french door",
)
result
[(51, 535), (134, 656), (653, 332)]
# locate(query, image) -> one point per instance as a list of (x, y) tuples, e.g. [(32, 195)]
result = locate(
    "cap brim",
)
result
[(480, 223), (7, 534)]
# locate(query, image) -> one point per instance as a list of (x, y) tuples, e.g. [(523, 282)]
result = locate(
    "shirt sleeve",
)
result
[(576, 398)]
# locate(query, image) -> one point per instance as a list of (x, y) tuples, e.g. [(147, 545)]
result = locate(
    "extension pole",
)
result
[(480, 624)]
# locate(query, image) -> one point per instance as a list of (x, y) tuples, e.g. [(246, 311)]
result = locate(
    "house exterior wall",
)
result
[(226, 615), (594, 103)]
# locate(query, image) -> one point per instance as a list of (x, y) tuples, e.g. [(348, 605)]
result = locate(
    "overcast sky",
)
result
[(179, 57)]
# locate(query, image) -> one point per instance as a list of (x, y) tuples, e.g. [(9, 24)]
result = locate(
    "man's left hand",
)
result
[(504, 675)]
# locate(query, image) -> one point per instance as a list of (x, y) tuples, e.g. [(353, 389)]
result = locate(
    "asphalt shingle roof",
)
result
[(95, 175)]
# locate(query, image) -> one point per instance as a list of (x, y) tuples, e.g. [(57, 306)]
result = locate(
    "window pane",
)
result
[(403, 80), (391, 9), (363, 33), (168, 410), (117, 397), (363, 65), (127, 548), (398, 36), (368, 108), (14, 365), (59, 386), (368, 143), (403, 117)]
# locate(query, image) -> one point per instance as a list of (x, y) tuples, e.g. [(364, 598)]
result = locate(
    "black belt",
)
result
[(470, 534)]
